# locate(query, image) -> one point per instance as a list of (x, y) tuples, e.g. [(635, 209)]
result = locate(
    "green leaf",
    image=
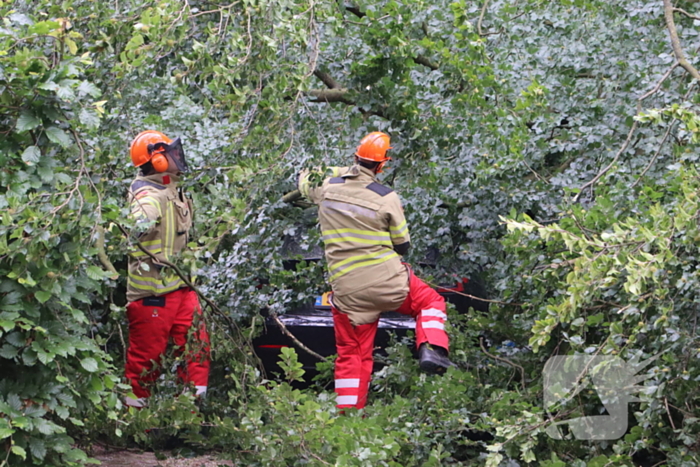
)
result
[(90, 364), (48, 86), (42, 28), (45, 427), (16, 338), (135, 42), (89, 118), (46, 174), (38, 448), (88, 88), (27, 121), (18, 451), (95, 273), (58, 136), (31, 155), (6, 432), (42, 296), (8, 351)]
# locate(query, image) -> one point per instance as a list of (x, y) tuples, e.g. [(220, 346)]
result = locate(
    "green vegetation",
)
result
[(549, 148)]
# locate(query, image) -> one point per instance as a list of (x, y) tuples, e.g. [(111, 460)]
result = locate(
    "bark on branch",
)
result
[(683, 12), (327, 79), (331, 95), (676, 42), (425, 61), (102, 255)]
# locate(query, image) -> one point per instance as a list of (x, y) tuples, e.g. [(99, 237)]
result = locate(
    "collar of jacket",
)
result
[(161, 178), (358, 171)]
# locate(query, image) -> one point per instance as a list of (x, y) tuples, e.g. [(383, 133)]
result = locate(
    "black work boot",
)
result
[(433, 359)]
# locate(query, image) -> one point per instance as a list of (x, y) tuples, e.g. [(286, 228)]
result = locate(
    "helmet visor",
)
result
[(177, 154)]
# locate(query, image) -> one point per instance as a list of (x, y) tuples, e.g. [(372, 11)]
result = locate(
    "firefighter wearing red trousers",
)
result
[(161, 307), (365, 233)]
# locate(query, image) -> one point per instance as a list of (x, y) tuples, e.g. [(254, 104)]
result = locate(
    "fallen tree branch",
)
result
[(481, 17), (675, 41), (680, 61), (683, 12), (474, 297), (610, 165), (654, 90), (504, 360), (294, 339), (101, 254)]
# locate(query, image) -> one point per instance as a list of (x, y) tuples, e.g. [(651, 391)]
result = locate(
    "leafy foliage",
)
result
[(547, 148)]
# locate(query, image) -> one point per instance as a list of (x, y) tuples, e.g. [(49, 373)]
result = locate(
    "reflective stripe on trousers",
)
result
[(353, 367), (428, 308)]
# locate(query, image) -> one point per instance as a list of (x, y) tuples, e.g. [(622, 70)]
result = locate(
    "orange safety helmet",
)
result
[(142, 150), (373, 147)]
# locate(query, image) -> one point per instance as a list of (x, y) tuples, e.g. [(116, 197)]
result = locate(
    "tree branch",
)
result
[(327, 79), (504, 360), (683, 12), (481, 17), (675, 41), (331, 95), (101, 254), (425, 61), (294, 339)]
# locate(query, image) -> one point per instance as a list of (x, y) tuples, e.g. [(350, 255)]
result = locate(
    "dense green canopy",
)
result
[(546, 149)]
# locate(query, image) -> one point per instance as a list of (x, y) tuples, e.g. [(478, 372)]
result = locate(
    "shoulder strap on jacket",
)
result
[(379, 189), (138, 184)]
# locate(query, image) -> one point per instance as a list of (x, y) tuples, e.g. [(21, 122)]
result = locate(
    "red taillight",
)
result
[(458, 288)]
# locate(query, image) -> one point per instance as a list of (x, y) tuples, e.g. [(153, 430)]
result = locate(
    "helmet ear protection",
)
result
[(158, 160)]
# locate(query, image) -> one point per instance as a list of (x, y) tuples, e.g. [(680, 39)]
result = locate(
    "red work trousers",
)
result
[(153, 321), (353, 367)]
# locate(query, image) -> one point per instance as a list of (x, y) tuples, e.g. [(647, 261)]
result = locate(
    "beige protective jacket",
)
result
[(361, 222), (156, 198)]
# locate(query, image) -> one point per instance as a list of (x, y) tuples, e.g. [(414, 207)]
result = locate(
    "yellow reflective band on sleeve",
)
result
[(398, 231), (147, 200)]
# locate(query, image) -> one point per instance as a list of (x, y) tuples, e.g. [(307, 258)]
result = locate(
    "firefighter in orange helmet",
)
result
[(365, 233), (161, 306)]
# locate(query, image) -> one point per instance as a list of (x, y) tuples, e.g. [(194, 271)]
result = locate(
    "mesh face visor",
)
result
[(175, 151)]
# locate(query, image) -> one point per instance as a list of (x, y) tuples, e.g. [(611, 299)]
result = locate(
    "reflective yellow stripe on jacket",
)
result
[(358, 261), (400, 230), (355, 235), (169, 230), (153, 246), (151, 284)]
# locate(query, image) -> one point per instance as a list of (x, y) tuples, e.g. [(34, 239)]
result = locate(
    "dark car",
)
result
[(312, 325)]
